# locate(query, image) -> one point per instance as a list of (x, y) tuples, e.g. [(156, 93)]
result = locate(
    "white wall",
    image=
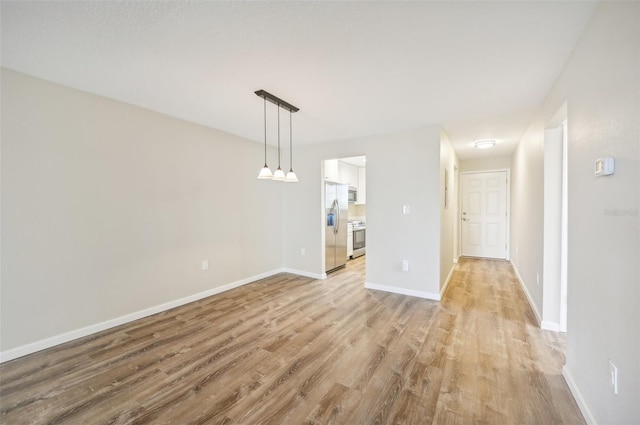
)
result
[(485, 164), (108, 209), (527, 212), (448, 216), (402, 168), (600, 84)]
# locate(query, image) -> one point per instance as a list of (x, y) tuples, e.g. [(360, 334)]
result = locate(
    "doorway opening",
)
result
[(565, 225), (344, 198), (554, 302)]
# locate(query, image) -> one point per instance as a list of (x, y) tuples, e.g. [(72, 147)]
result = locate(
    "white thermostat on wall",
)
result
[(604, 166)]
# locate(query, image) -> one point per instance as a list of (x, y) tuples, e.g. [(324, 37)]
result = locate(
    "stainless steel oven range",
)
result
[(359, 238)]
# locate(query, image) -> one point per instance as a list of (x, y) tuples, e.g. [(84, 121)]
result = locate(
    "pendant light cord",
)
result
[(278, 136), (290, 143), (265, 131)]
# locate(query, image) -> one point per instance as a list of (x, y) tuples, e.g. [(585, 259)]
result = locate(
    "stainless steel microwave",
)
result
[(353, 194)]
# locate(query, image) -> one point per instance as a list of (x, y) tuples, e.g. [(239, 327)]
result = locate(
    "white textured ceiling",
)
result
[(478, 69)]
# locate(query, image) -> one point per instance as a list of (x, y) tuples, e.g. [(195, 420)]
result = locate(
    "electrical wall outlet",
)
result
[(205, 264), (613, 372), (537, 278), (303, 251)]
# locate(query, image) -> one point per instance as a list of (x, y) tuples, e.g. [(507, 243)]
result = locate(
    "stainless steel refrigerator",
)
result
[(336, 210)]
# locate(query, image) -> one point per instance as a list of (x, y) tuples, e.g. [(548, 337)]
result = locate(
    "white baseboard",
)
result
[(526, 292), (33, 347), (305, 273), (577, 395), (403, 291), (446, 282), (550, 326)]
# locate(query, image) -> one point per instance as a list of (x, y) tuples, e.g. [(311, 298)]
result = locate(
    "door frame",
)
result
[(456, 213), (554, 256), (508, 224)]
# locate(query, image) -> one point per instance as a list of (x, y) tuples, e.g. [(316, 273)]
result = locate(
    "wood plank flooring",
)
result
[(293, 350)]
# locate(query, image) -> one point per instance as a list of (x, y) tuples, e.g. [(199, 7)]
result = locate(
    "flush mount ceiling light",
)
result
[(485, 144), (265, 172)]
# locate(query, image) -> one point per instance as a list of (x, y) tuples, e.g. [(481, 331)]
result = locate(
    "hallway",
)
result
[(289, 349), (500, 366)]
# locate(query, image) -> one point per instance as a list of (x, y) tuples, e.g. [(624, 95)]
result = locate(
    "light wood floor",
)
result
[(292, 350)]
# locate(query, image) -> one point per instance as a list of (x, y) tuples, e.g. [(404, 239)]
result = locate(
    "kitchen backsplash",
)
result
[(357, 212)]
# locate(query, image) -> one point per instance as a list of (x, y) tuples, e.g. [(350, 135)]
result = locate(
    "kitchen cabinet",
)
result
[(331, 171), (362, 186), (348, 174), (340, 172)]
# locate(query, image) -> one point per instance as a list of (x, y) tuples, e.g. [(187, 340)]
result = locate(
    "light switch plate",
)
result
[(604, 166), (405, 265)]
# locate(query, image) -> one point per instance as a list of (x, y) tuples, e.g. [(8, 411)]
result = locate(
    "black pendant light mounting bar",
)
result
[(277, 101)]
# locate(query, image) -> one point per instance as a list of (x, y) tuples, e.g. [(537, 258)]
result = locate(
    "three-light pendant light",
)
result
[(265, 172)]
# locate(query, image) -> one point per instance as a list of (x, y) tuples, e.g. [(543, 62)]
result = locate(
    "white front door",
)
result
[(484, 215)]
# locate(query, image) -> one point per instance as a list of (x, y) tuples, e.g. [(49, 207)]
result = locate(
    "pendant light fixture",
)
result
[(265, 172), (291, 176)]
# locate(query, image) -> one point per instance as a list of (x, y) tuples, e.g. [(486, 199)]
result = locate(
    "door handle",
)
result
[(338, 215)]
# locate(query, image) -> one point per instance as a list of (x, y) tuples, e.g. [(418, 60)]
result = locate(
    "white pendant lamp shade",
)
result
[(291, 177), (265, 172), (279, 174)]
